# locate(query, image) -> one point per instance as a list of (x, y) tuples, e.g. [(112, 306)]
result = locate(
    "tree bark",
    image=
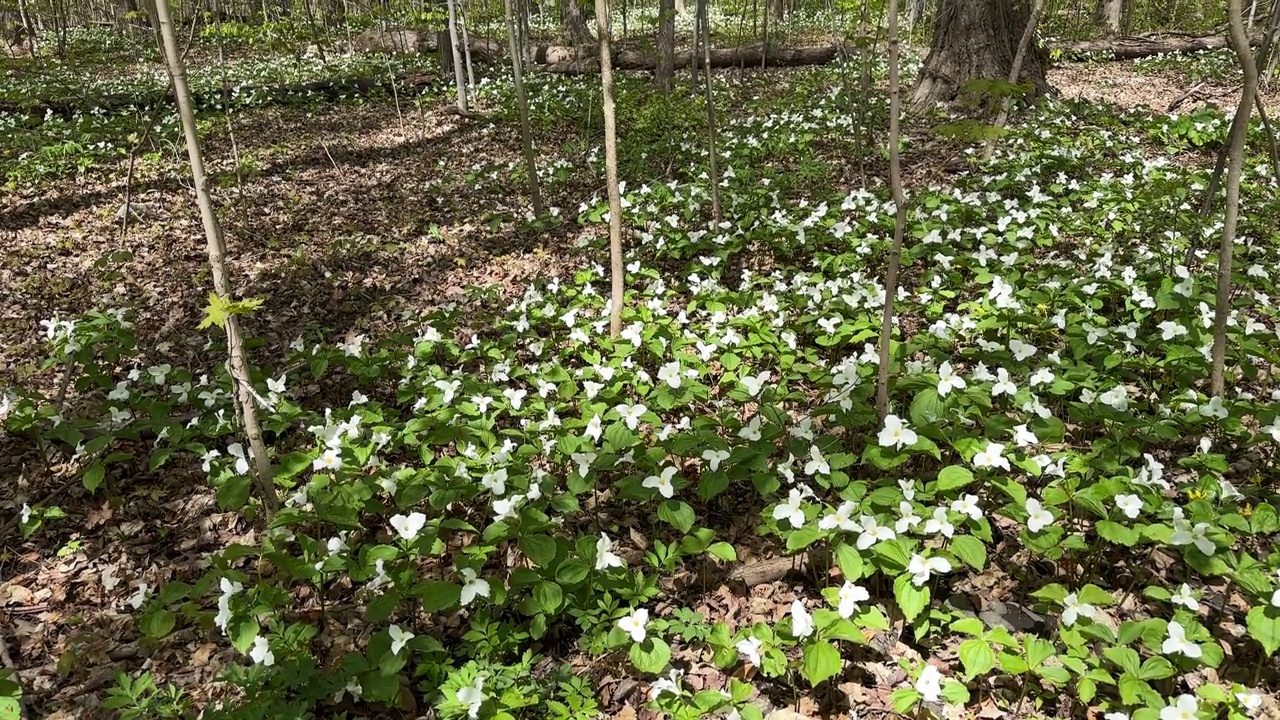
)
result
[(574, 22), (611, 168), (711, 115), (1132, 48), (666, 45), (458, 68), (522, 107), (1235, 163), (900, 216), (1007, 104), (1109, 15), (238, 356), (975, 40)]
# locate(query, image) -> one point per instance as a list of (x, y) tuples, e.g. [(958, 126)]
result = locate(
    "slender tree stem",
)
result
[(900, 214)]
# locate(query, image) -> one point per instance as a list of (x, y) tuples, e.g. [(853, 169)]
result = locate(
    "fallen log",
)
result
[(582, 60), (1132, 48)]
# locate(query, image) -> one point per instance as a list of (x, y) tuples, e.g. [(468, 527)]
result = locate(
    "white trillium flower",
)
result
[(261, 652), (922, 568), (671, 374), (1249, 699), (967, 505), (749, 650), (399, 638), (801, 620), (1038, 518), (1184, 533), (1073, 609), (791, 510), (138, 598), (939, 523), (753, 384), (662, 482), (472, 696), (896, 434), (605, 557), (841, 518), (873, 532), (1184, 708), (929, 684), (472, 587), (408, 526), (634, 624), (714, 458), (1185, 598), (236, 450), (948, 380), (1130, 505), (1177, 642), (991, 456), (669, 685), (850, 596), (817, 464)]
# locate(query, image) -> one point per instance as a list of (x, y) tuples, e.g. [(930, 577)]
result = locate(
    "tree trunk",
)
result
[(458, 68), (1235, 163), (666, 45), (1007, 103), (239, 361), (466, 48), (711, 114), (522, 107), (900, 216), (611, 168), (975, 40), (1108, 17), (778, 9), (574, 21)]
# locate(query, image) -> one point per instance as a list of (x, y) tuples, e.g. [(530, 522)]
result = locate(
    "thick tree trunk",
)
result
[(1132, 48), (1109, 15), (666, 44), (574, 21), (975, 40)]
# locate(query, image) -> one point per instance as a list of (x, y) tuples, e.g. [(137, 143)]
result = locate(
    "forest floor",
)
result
[(344, 220)]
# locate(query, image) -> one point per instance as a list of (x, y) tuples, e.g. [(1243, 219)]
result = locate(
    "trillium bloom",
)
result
[(929, 684), (1022, 437), (496, 481), (408, 526), (671, 374), (473, 697), (922, 568), (662, 482), (1073, 610), (817, 464), (472, 587), (907, 517), (605, 557), (1250, 700), (1003, 385), (1185, 598), (939, 523), (841, 518), (330, 459), (751, 431), (850, 596), (594, 428), (948, 380), (1186, 534), (801, 620), (631, 414), (791, 510), (138, 598), (749, 650), (399, 638), (1037, 517), (261, 652), (669, 685), (991, 456), (1130, 505), (967, 505), (1184, 708), (714, 458), (634, 624), (872, 532), (896, 434), (753, 385), (236, 450), (1177, 642)]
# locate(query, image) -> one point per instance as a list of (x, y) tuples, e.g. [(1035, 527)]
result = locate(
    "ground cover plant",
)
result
[(492, 508)]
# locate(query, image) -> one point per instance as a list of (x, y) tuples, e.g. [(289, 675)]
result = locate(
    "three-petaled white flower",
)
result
[(408, 526), (801, 620), (896, 434), (967, 505), (1038, 518), (472, 587), (715, 457), (1184, 708), (873, 532), (1130, 505), (817, 464), (991, 456), (634, 624), (929, 684), (922, 568), (1184, 533), (399, 638), (849, 597), (791, 510), (261, 652), (1177, 642), (671, 374), (841, 518), (753, 384), (662, 482), (1185, 598), (631, 414), (605, 557), (1073, 610), (473, 697), (749, 650), (948, 380)]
